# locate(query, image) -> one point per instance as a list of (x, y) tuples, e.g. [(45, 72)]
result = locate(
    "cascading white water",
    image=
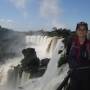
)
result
[(8, 77), (51, 75), (45, 47)]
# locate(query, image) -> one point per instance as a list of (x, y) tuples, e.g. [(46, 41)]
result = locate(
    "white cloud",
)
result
[(7, 23), (10, 24), (50, 9), (21, 5), (3, 20), (57, 24)]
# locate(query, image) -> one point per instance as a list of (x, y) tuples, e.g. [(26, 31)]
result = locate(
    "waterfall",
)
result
[(51, 79), (44, 44), (45, 47), (8, 76)]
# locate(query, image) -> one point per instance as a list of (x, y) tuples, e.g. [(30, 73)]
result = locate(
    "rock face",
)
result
[(30, 62), (44, 62)]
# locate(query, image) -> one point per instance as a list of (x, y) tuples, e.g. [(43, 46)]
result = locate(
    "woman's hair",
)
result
[(82, 24)]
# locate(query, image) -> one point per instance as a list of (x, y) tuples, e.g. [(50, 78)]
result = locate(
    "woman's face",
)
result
[(81, 31)]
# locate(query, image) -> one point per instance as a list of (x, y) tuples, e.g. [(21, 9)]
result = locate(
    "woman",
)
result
[(78, 52)]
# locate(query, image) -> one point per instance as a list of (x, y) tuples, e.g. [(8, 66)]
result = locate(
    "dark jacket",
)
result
[(78, 55)]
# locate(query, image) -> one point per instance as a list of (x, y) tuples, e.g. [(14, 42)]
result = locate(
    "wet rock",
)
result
[(30, 62), (44, 62)]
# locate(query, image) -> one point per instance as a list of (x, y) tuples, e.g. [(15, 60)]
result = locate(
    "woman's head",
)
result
[(82, 29)]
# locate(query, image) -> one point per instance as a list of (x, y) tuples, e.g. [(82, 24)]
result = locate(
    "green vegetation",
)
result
[(59, 32)]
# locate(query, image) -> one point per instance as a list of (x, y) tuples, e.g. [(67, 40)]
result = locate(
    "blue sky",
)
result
[(26, 15)]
